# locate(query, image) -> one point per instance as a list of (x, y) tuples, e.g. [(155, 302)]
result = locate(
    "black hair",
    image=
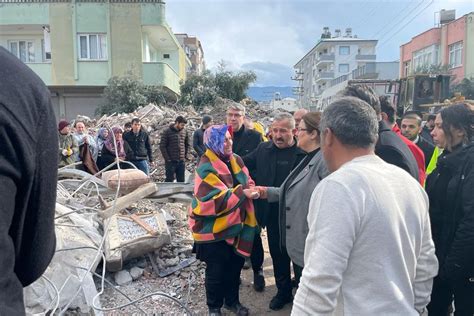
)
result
[(459, 117), (387, 108), (135, 120), (180, 119)]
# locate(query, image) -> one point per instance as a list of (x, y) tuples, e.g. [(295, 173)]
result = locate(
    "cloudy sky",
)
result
[(270, 36)]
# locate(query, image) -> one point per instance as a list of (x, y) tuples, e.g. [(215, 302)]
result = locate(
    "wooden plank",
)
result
[(143, 224), (124, 201)]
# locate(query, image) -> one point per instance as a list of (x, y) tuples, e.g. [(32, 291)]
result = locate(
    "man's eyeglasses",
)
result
[(236, 115)]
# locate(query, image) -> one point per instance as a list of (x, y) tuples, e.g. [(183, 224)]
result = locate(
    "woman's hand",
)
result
[(262, 191), (251, 193)]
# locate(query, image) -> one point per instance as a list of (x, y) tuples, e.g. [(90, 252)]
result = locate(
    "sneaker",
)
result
[(215, 312), (247, 264), (279, 301), (238, 309), (258, 281)]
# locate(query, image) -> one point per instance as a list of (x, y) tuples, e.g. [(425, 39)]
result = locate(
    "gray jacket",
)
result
[(294, 204)]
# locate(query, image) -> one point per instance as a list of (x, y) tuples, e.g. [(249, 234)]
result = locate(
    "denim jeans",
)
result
[(142, 165)]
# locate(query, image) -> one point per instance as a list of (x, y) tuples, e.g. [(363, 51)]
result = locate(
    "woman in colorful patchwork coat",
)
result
[(222, 219)]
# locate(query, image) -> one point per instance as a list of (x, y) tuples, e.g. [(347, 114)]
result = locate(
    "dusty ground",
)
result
[(188, 286)]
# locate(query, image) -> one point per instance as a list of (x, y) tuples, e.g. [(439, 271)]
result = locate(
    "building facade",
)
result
[(75, 46), (193, 49), (449, 46), (330, 58)]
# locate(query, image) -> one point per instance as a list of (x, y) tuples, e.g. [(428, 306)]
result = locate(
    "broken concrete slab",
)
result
[(126, 239)]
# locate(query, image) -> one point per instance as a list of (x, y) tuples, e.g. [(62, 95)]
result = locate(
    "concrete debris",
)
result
[(123, 277), (136, 273), (144, 235)]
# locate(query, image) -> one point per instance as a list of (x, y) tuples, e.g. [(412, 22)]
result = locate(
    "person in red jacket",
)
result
[(388, 115)]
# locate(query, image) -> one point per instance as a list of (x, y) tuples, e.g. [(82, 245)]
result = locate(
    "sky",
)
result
[(270, 36)]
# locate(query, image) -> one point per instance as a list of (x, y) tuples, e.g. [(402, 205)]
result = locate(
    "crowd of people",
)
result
[(373, 218)]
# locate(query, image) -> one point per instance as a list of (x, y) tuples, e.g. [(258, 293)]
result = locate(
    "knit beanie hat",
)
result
[(62, 124)]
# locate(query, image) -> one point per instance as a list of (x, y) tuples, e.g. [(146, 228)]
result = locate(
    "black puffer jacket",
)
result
[(174, 144), (451, 192)]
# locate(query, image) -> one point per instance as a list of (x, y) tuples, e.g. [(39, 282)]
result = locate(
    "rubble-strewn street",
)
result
[(142, 234)]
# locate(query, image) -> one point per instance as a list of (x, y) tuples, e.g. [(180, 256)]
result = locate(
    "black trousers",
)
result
[(223, 268), (280, 258), (442, 297), (257, 255), (298, 272), (174, 170)]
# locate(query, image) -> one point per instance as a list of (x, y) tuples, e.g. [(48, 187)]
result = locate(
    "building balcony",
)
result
[(365, 57), (161, 74), (325, 58), (324, 75)]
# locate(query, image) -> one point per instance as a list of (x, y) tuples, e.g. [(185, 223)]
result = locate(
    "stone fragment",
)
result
[(136, 273), (123, 277)]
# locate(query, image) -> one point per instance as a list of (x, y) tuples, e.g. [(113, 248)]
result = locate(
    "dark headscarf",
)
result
[(109, 142)]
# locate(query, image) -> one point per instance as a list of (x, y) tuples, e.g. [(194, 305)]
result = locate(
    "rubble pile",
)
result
[(156, 118)]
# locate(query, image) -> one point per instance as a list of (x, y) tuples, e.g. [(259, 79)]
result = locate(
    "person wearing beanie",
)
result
[(198, 143), (67, 144)]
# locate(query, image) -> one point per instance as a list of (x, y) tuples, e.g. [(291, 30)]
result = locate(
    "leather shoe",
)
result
[(215, 312), (279, 301), (238, 309), (258, 281)]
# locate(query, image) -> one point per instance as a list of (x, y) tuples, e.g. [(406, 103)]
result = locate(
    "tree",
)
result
[(204, 89), (125, 94), (466, 87)]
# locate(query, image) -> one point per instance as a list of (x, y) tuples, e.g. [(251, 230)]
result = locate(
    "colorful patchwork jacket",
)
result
[(220, 211)]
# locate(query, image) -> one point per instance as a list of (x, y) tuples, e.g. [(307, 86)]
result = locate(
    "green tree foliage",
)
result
[(466, 87), (126, 94), (204, 89)]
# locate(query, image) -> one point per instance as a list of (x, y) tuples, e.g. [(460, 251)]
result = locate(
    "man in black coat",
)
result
[(139, 143), (198, 136), (411, 129), (244, 142), (273, 162), (389, 146), (28, 178)]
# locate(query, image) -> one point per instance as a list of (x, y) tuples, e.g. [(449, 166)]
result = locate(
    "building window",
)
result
[(24, 50), (46, 55), (344, 68), (92, 46), (344, 50), (166, 56), (455, 55)]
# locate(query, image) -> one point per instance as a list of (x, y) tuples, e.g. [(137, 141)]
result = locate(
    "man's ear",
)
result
[(328, 137), (384, 116)]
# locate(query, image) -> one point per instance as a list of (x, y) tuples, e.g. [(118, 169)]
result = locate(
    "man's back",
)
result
[(369, 250), (393, 150), (28, 174)]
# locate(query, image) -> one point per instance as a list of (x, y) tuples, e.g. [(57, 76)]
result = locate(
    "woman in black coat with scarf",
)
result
[(450, 188)]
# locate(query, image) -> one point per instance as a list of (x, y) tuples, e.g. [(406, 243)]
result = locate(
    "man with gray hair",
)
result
[(369, 249), (273, 162)]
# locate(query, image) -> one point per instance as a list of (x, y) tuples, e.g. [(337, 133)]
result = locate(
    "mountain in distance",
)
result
[(265, 94)]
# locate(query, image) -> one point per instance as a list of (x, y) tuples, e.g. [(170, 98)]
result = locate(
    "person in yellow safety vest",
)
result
[(434, 160), (257, 126)]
